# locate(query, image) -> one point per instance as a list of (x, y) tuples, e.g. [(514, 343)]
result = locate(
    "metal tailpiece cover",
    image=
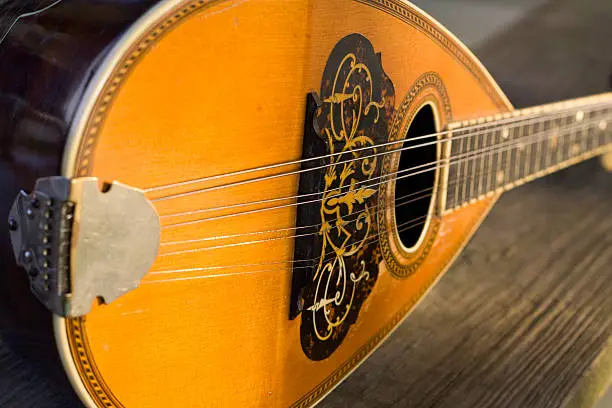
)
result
[(115, 240), (79, 242)]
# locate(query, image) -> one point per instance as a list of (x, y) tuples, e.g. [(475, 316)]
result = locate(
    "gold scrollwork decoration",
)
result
[(357, 100)]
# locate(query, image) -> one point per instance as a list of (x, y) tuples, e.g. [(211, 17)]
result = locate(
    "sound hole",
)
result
[(413, 194)]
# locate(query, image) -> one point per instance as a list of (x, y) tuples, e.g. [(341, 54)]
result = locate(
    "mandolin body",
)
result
[(193, 89)]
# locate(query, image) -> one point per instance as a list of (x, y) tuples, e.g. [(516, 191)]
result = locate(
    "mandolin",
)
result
[(234, 203)]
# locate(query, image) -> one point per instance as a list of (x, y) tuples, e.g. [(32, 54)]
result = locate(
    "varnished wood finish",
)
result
[(214, 87)]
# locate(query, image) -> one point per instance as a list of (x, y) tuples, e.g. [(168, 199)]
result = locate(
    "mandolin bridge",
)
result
[(79, 244)]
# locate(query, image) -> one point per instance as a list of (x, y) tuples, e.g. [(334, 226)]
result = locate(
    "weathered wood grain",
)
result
[(525, 312)]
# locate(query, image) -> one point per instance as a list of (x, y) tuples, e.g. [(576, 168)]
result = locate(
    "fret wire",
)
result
[(508, 154), (567, 136), (460, 187), (475, 161), (500, 169), (536, 155), (598, 135), (521, 152), (560, 140), (482, 140), (493, 163), (588, 142), (507, 182), (515, 155), (450, 170), (593, 137), (601, 134), (512, 141), (466, 187), (549, 148), (457, 149), (527, 152), (565, 140), (489, 141), (490, 164), (543, 148), (584, 142), (568, 139), (604, 134), (538, 163), (564, 145), (572, 136), (574, 145), (460, 170)]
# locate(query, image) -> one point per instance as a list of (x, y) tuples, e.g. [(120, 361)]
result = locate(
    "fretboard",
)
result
[(495, 154)]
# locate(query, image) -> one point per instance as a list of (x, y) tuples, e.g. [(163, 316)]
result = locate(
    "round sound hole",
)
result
[(415, 184)]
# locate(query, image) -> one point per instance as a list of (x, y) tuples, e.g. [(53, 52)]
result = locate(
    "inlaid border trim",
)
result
[(71, 334), (79, 347), (420, 20), (431, 90), (118, 65)]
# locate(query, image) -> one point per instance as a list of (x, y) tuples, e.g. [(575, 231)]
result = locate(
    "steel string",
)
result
[(473, 155), (524, 118)]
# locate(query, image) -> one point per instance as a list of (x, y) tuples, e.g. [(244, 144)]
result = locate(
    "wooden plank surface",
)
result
[(524, 317)]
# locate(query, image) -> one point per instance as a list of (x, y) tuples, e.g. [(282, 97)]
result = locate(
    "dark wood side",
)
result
[(49, 51)]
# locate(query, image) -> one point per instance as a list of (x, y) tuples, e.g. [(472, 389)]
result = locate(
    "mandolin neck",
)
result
[(495, 154)]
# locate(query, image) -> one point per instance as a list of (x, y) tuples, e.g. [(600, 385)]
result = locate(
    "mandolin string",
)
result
[(292, 236), (488, 149), (355, 220), (372, 240), (450, 183), (398, 203), (369, 241), (582, 125), (526, 118), (300, 171), (407, 226), (252, 272), (285, 262), (466, 157), (208, 276), (213, 238), (473, 154), (455, 181)]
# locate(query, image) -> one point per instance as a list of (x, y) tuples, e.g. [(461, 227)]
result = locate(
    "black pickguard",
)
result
[(336, 255)]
